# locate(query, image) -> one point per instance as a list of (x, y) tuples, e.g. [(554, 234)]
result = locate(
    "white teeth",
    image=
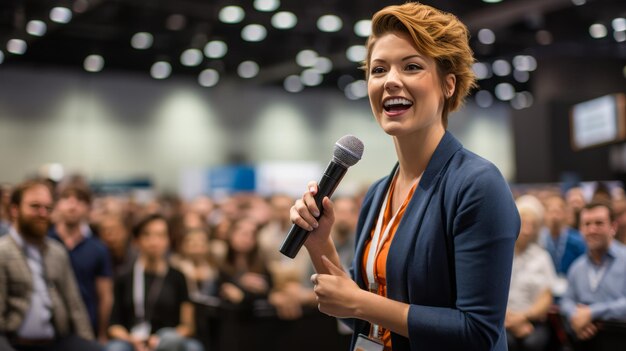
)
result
[(397, 101)]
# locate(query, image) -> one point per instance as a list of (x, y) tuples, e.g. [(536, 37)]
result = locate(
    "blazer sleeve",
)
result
[(74, 302), (484, 223)]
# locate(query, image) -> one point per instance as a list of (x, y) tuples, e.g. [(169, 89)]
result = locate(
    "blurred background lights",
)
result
[(293, 84), (619, 24), (597, 30), (306, 58), (323, 65), (175, 22), (356, 90), (505, 91), (93, 63), (619, 36), (266, 5), (215, 49), (524, 63), (579, 2), (36, 28), (501, 68), (522, 100), (231, 14), (356, 53), (483, 98), (61, 15), (284, 20), (481, 70), (311, 77), (160, 70), (491, 1), (329, 23), (521, 76), (363, 28), (191, 57), (248, 69), (253, 32), (486, 36), (208, 77), (141, 40), (17, 46)]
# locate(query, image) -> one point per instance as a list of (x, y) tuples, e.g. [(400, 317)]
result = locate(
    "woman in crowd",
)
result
[(435, 238), (533, 274), (152, 310), (197, 264)]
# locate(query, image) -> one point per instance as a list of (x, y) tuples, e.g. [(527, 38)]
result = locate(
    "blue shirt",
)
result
[(608, 300), (90, 260), (565, 250)]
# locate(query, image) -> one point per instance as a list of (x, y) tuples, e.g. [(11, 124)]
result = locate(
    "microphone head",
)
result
[(348, 150)]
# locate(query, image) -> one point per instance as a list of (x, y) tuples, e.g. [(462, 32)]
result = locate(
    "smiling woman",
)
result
[(435, 238)]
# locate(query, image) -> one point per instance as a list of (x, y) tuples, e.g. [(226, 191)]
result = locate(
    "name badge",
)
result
[(363, 343), (141, 331)]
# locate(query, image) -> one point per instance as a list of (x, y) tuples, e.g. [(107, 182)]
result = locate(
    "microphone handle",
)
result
[(327, 185)]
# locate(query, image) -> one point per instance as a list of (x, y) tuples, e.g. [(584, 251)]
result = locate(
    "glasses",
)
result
[(38, 207)]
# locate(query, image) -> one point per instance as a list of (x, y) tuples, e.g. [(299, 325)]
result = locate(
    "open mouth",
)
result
[(397, 104)]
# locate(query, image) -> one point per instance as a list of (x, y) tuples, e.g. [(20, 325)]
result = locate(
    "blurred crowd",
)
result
[(81, 271)]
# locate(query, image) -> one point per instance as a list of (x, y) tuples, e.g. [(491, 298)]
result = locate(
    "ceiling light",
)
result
[(356, 53), (215, 49), (93, 63), (323, 65), (579, 2), (524, 63), (311, 77), (61, 15), (284, 20), (293, 84), (306, 58), (231, 14), (266, 5), (505, 91), (481, 70), (501, 68), (191, 57), (597, 30), (208, 77), (160, 70), (363, 28), (619, 36), (483, 98), (491, 1), (248, 69), (619, 24), (486, 36), (253, 32), (522, 100), (142, 40), (36, 27), (356, 90), (17, 46), (521, 76), (329, 23)]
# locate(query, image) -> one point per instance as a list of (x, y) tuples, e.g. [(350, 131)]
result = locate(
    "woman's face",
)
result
[(154, 240), (529, 227), (196, 244), (243, 236), (404, 88)]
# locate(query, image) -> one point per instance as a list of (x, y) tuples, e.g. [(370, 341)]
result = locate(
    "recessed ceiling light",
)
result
[(521, 76), (142, 40), (60, 15), (363, 28), (356, 53), (597, 30), (323, 65), (486, 36), (293, 84), (619, 36), (492, 1), (483, 98), (160, 70), (231, 14), (93, 63), (329, 23), (505, 91), (481, 70), (248, 69), (266, 5), (311, 77), (215, 49), (17, 46), (284, 20), (356, 90), (36, 27), (619, 24), (524, 63), (306, 58), (191, 57), (208, 77), (501, 68), (253, 32)]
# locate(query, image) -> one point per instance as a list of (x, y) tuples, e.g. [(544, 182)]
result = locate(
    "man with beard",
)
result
[(89, 257), (40, 306)]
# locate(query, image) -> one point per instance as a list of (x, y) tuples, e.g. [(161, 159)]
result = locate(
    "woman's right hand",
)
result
[(304, 212)]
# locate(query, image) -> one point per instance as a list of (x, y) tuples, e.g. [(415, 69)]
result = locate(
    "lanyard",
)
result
[(595, 275), (139, 286)]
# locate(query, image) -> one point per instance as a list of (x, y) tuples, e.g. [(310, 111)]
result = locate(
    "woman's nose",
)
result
[(393, 80)]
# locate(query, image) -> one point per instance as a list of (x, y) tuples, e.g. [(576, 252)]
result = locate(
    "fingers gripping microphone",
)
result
[(347, 152)]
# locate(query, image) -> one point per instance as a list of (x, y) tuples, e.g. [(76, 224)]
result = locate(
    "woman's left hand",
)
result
[(337, 294)]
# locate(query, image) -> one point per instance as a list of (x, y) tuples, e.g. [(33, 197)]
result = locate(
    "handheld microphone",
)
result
[(347, 152)]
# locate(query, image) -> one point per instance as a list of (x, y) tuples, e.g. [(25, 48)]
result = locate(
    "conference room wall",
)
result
[(118, 125)]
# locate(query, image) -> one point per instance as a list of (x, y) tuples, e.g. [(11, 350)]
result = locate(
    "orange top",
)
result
[(380, 264)]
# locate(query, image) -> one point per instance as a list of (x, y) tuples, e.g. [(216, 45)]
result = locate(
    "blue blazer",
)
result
[(451, 256)]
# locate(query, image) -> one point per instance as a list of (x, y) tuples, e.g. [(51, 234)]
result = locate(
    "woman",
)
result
[(196, 263), (439, 278), (533, 274), (152, 310)]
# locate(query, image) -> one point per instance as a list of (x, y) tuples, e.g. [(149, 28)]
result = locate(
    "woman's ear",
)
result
[(450, 85)]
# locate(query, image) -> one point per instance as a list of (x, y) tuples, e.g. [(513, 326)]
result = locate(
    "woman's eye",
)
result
[(376, 70), (413, 67)]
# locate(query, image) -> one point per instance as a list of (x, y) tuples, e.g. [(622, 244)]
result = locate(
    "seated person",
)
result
[(40, 304), (596, 281), (533, 274), (152, 310)]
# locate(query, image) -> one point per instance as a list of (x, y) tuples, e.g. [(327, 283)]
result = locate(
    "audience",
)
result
[(196, 262), (116, 237), (5, 220), (597, 281), (40, 304)]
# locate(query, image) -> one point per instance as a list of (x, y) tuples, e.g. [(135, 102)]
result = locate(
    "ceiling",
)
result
[(105, 27)]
